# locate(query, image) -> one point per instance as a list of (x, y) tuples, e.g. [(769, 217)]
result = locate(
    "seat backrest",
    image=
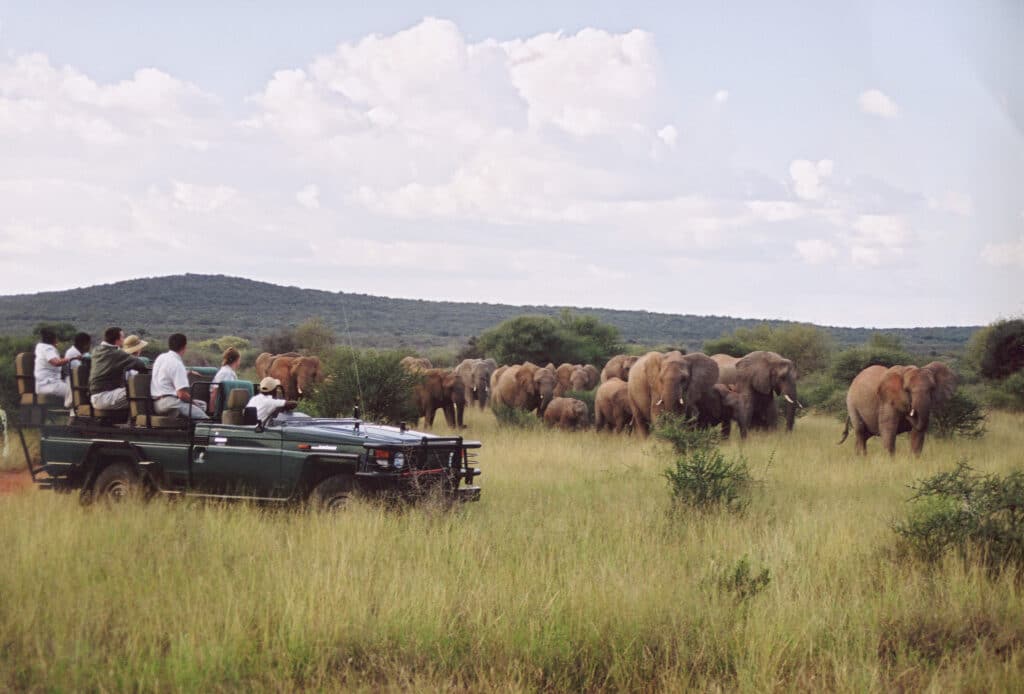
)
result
[(80, 384), (140, 402), (237, 399), (24, 369)]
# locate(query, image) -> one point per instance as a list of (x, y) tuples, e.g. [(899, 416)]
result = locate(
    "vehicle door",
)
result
[(237, 461)]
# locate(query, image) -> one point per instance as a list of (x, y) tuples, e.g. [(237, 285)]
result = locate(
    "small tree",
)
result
[(280, 341), (543, 339), (315, 336), (373, 380), (998, 349)]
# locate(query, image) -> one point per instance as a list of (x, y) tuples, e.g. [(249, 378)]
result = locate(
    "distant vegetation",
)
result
[(208, 306)]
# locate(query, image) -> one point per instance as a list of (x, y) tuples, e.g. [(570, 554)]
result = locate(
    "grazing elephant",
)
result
[(672, 382), (525, 387), (611, 406), (415, 364), (435, 391), (760, 376), (567, 413), (886, 402), (297, 374), (265, 359), (618, 367)]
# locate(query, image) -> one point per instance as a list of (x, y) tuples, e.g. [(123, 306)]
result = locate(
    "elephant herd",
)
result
[(633, 391)]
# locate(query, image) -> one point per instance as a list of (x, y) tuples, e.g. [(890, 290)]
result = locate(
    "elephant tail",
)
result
[(846, 432)]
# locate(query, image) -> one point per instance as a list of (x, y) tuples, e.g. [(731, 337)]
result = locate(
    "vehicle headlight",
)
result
[(399, 461)]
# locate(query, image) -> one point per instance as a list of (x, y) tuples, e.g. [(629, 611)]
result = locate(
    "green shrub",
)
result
[(851, 362), (368, 378), (998, 349), (542, 339), (980, 516), (741, 582), (701, 478), (1007, 394), (961, 415), (514, 417)]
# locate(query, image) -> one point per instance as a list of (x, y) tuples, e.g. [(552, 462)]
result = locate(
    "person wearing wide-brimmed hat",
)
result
[(133, 345), (265, 402), (110, 363)]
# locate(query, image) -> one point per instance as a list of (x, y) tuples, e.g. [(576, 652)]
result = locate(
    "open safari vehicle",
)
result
[(287, 458)]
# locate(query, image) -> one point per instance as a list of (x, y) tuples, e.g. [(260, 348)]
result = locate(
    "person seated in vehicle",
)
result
[(78, 350), (133, 345), (265, 402), (110, 363), (169, 386), (230, 361), (47, 368)]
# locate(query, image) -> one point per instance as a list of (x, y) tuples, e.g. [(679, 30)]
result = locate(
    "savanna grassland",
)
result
[(569, 574)]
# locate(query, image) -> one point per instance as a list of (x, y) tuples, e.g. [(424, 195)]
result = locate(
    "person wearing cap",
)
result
[(230, 360), (169, 387), (109, 365), (265, 402)]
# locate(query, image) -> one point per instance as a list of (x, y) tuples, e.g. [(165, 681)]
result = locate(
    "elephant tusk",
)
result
[(913, 412), (300, 391), (659, 403), (799, 404), (682, 402), (788, 399)]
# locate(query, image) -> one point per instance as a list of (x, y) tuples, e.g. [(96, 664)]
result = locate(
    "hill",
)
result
[(206, 306)]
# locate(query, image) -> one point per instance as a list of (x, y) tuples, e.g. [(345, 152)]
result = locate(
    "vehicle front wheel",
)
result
[(117, 483), (333, 493)]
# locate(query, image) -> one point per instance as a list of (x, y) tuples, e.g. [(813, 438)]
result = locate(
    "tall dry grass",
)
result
[(569, 574)]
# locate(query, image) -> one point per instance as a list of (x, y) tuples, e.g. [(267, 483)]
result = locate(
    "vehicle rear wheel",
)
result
[(117, 483), (333, 493)]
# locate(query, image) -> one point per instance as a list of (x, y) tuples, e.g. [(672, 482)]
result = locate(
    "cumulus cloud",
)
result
[(309, 197), (669, 135), (1009, 254), (875, 103), (816, 251), (721, 96), (808, 177), (953, 202)]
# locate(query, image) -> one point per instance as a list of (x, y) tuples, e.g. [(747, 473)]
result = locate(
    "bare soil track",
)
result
[(15, 481)]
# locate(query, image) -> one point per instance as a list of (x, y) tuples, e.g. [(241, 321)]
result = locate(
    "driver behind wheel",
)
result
[(265, 403)]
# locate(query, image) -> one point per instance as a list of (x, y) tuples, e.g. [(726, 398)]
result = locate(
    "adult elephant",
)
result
[(760, 376), (763, 417), (718, 408), (415, 364), (474, 379), (525, 387), (611, 406), (435, 391), (672, 382), (563, 374), (886, 402), (495, 377), (593, 376), (726, 368), (579, 380), (265, 359), (567, 413), (618, 367), (297, 374)]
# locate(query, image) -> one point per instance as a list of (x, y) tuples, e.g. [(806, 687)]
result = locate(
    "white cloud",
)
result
[(808, 177), (882, 230), (721, 96), (876, 103), (863, 255), (776, 210), (954, 202), (197, 198), (1009, 254), (816, 251), (309, 197), (669, 135)]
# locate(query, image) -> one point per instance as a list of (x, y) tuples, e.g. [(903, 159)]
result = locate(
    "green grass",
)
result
[(569, 574)]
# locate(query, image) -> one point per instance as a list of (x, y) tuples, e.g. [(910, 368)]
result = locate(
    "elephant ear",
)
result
[(703, 373), (891, 390), (945, 382), (524, 377), (783, 370), (755, 369)]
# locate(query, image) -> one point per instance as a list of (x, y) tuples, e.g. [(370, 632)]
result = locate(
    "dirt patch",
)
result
[(16, 481)]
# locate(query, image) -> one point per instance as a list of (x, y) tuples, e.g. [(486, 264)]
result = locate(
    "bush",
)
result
[(543, 339), (514, 417), (314, 336), (279, 342), (980, 516), (1007, 394), (809, 347), (961, 415), (851, 362), (701, 478), (368, 378), (741, 582), (998, 349)]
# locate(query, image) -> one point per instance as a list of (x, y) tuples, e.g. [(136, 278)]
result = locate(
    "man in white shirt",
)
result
[(78, 350), (265, 402), (169, 386), (47, 368)]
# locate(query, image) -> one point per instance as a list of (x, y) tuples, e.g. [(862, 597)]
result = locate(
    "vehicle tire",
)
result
[(333, 493), (118, 482)]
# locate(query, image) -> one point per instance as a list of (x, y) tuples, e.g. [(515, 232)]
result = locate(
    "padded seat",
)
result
[(81, 400), (141, 405), (234, 410), (24, 370)]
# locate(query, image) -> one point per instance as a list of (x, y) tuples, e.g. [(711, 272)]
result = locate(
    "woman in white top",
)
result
[(46, 370), (231, 360)]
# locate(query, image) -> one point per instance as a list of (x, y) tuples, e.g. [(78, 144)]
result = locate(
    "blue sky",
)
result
[(841, 163)]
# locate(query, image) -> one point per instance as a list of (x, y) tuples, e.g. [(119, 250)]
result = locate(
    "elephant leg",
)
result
[(640, 425), (460, 411), (889, 440), (916, 442), (726, 429), (431, 411), (449, 414)]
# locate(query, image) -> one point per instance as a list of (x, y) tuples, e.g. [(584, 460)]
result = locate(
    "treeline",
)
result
[(208, 306)]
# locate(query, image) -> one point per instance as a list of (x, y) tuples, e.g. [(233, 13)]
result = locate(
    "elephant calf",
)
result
[(567, 413), (611, 406)]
